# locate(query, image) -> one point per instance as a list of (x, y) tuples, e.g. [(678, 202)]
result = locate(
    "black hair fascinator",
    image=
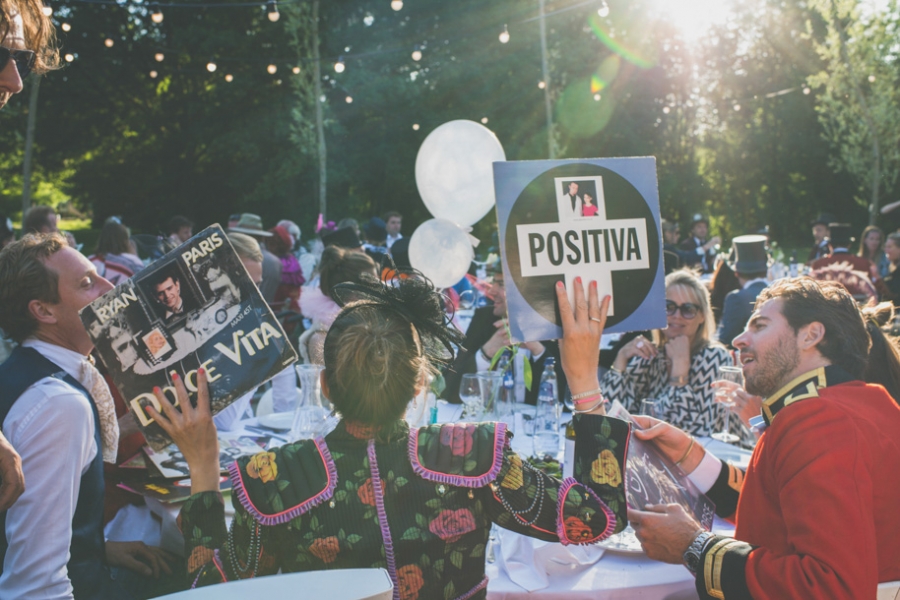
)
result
[(413, 297)]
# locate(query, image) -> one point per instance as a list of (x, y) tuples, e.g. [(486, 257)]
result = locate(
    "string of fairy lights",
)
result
[(338, 64)]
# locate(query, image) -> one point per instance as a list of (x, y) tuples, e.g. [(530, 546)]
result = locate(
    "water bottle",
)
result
[(793, 267), (546, 419)]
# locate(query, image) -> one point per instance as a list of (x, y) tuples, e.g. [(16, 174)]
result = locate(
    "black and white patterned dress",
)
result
[(690, 407)]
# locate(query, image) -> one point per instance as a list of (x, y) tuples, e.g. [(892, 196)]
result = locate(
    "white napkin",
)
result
[(525, 559)]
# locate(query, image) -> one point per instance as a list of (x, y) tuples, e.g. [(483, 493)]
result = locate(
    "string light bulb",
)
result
[(541, 85), (737, 107), (349, 99), (155, 13), (871, 79), (153, 74), (415, 126), (603, 11), (229, 78), (272, 69), (159, 56), (806, 91), (666, 110), (504, 35), (66, 27), (417, 55), (296, 70), (47, 10), (484, 120), (597, 97), (397, 4), (211, 67), (272, 10), (108, 42), (339, 66), (70, 57)]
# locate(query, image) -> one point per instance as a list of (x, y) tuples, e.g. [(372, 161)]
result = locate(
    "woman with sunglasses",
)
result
[(679, 369), (27, 43)]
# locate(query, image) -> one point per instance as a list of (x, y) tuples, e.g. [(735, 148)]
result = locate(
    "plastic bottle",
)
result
[(546, 420), (793, 267), (568, 466)]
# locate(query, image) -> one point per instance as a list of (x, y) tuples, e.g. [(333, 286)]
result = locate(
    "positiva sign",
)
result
[(593, 218)]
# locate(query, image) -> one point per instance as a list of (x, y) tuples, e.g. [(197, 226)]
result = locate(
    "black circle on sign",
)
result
[(537, 204)]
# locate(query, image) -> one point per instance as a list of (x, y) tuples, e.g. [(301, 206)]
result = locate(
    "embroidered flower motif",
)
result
[(359, 430), (200, 555), (366, 492), (514, 477), (450, 525), (577, 530), (409, 578), (325, 549), (262, 466), (606, 469), (459, 438)]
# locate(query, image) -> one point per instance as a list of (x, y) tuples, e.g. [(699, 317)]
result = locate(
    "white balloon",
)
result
[(455, 173), (441, 250)]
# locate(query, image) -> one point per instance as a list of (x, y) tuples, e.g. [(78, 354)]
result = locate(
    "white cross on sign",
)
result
[(592, 247)]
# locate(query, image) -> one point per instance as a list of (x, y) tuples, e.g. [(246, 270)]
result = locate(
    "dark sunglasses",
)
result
[(688, 310), (24, 60)]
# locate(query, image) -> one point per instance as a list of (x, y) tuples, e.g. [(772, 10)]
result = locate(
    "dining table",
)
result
[(518, 567)]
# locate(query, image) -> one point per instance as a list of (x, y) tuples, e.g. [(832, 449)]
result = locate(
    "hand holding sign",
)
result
[(454, 171)]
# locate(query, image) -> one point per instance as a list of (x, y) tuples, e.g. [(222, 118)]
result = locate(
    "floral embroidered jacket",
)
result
[(418, 503)]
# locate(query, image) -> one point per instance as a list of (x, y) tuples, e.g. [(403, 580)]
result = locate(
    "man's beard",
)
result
[(772, 373)]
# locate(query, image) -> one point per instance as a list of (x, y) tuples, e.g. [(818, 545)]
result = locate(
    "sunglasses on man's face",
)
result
[(24, 60), (688, 310)]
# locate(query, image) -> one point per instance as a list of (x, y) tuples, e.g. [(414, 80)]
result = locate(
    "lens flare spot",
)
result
[(580, 113), (630, 54)]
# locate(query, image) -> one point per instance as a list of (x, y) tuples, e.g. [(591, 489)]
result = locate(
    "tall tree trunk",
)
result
[(320, 125), (29, 144), (545, 68)]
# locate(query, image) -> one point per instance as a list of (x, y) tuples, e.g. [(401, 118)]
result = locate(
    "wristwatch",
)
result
[(691, 557)]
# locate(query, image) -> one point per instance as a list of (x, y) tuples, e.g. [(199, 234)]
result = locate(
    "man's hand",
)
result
[(139, 557), (12, 481), (499, 340), (664, 530), (669, 440)]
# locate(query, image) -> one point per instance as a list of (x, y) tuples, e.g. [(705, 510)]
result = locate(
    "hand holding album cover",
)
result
[(194, 308), (597, 219)]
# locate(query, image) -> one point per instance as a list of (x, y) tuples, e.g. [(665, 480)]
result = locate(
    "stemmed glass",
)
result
[(470, 394), (729, 380)]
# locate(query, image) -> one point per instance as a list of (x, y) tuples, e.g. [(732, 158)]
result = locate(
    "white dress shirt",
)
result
[(391, 239), (51, 426)]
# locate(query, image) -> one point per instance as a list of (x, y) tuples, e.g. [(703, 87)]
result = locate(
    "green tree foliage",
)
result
[(859, 105)]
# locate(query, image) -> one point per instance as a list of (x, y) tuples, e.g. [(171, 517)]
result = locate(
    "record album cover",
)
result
[(195, 307), (593, 218)]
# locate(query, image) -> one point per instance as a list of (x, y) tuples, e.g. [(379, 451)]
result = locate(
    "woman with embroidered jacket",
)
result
[(373, 493), (677, 372)]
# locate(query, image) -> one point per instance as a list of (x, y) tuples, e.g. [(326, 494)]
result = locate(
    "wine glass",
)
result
[(470, 394), (649, 408), (467, 300), (730, 379)]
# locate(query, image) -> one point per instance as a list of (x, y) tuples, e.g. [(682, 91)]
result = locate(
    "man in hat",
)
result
[(697, 243), (375, 246), (751, 265), (250, 224), (820, 233)]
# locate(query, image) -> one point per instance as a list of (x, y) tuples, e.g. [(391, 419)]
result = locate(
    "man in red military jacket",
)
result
[(816, 513)]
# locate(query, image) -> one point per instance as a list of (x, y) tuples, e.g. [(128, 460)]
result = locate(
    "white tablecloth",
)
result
[(616, 575)]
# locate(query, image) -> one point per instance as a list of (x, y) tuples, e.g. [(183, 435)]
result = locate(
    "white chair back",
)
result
[(889, 590), (341, 584)]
